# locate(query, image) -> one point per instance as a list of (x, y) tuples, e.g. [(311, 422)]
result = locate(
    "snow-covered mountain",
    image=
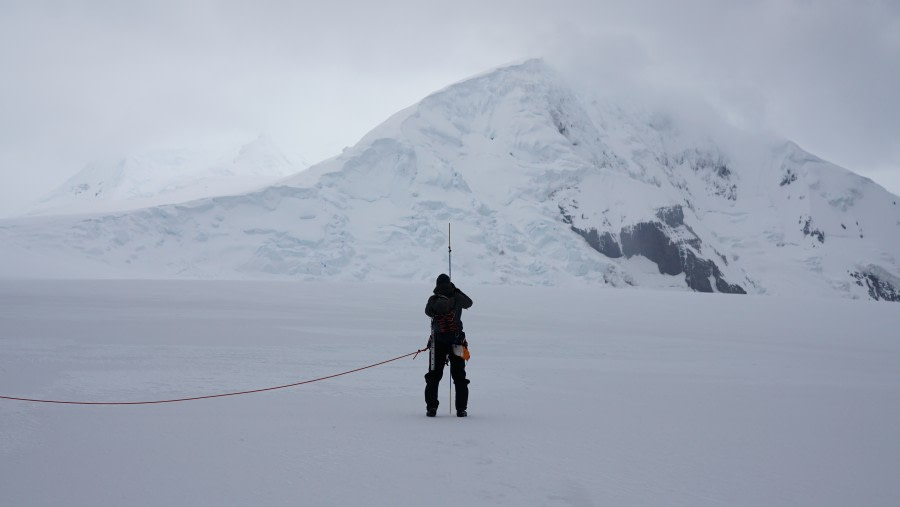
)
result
[(168, 177), (542, 185)]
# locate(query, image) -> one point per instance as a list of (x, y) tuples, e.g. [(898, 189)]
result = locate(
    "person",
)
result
[(445, 308)]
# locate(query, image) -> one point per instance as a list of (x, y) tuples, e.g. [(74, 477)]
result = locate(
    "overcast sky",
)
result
[(84, 80)]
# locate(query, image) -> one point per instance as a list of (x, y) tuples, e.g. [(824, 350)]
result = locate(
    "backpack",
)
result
[(444, 320), (442, 304)]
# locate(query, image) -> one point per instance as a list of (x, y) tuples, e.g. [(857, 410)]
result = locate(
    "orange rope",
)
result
[(211, 395)]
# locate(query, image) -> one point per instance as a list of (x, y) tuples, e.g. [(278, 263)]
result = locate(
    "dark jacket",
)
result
[(445, 308)]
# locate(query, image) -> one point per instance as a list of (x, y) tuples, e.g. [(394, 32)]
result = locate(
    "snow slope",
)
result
[(543, 186), (168, 177), (587, 397)]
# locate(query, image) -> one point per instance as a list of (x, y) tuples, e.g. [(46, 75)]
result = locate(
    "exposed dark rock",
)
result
[(879, 290), (567, 218), (672, 216), (603, 243), (789, 177), (809, 230), (695, 243), (724, 259), (650, 240), (699, 271), (712, 167)]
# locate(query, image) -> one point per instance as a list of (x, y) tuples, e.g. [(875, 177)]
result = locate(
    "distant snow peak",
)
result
[(167, 176)]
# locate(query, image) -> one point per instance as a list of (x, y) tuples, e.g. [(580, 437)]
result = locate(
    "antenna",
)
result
[(449, 255)]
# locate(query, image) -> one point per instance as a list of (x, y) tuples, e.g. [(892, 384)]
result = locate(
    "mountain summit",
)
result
[(542, 185)]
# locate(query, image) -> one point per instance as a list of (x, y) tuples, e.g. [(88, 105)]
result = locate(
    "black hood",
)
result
[(444, 286)]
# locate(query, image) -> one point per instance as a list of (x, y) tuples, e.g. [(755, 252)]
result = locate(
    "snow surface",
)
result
[(579, 396)]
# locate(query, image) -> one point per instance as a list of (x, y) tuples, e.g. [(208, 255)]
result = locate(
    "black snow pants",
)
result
[(438, 353)]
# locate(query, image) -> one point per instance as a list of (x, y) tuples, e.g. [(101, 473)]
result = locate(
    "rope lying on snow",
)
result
[(416, 353)]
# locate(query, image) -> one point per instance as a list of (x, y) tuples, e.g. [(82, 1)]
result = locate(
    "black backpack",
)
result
[(442, 305), (444, 320)]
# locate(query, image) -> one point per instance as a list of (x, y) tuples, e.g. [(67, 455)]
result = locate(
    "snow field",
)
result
[(578, 397)]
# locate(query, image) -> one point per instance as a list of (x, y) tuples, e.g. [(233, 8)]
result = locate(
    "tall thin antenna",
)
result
[(449, 255)]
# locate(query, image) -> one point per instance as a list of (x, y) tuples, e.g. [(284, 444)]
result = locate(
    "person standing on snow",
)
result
[(445, 308)]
